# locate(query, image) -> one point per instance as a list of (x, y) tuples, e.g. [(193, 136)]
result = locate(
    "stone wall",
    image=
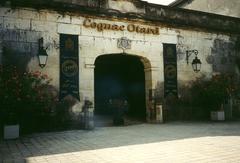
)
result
[(21, 28), (136, 10), (221, 7)]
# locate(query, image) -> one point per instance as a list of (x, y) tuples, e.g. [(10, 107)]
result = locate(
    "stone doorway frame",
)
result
[(148, 82)]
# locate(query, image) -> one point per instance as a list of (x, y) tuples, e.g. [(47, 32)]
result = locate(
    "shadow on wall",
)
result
[(224, 59), (223, 56), (223, 53), (15, 58), (31, 99)]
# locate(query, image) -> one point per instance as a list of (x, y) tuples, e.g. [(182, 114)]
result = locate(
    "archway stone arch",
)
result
[(148, 81)]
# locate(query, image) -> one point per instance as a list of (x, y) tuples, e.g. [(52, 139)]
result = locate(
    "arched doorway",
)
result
[(120, 74)]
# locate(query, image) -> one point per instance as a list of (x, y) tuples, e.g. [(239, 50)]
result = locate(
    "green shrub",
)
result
[(211, 94), (25, 98), (202, 96)]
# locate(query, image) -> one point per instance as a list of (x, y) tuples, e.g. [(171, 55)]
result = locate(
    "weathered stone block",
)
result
[(14, 35), (8, 12), (64, 19), (68, 29), (171, 39), (113, 34), (20, 35), (152, 38), (14, 23), (76, 20), (45, 15), (106, 43), (89, 60), (84, 85), (170, 31), (85, 40), (91, 32), (28, 14), (50, 27), (33, 36), (18, 47)]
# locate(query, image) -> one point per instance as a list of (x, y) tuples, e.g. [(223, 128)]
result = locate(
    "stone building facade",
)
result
[(120, 27), (221, 7)]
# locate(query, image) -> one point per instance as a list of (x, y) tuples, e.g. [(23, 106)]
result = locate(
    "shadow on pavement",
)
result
[(108, 137)]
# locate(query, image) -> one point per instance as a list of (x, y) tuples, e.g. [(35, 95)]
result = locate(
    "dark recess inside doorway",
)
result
[(120, 74)]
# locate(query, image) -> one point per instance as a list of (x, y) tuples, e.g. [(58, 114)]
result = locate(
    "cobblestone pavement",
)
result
[(143, 143)]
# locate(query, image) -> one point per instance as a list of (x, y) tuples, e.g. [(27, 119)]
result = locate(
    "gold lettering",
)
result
[(151, 31), (115, 27), (93, 25), (100, 27), (107, 26), (122, 28), (148, 31), (131, 27), (143, 30), (138, 29), (87, 23), (156, 31)]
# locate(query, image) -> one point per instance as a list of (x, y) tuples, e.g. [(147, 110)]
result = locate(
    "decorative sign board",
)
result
[(170, 70), (69, 66)]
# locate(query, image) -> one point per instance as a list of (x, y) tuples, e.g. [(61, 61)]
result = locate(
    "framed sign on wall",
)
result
[(170, 70), (69, 66)]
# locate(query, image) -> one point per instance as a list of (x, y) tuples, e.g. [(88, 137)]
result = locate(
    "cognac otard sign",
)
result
[(88, 23)]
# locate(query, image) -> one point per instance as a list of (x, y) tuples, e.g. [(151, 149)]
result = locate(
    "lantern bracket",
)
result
[(189, 53)]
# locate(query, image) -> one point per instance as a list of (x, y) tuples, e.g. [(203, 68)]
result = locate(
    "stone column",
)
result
[(154, 93), (149, 94), (87, 81)]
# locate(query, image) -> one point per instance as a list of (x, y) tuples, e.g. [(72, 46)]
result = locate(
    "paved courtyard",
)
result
[(143, 143)]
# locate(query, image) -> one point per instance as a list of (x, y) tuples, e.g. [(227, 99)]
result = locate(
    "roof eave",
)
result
[(178, 3)]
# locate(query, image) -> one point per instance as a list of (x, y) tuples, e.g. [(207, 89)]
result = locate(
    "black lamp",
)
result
[(196, 63), (42, 55)]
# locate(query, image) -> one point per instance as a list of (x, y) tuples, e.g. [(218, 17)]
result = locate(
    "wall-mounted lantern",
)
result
[(196, 63), (42, 54)]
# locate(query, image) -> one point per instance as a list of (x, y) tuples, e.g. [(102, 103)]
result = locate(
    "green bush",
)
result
[(211, 94), (202, 96)]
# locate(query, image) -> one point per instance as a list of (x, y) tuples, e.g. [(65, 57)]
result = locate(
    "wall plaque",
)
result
[(124, 43), (69, 67), (170, 70)]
